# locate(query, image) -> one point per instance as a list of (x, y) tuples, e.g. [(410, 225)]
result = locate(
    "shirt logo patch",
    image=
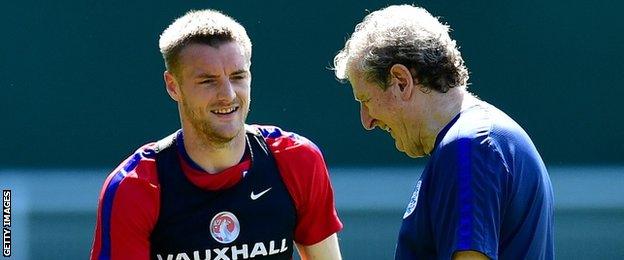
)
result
[(413, 201), (224, 227), (256, 196)]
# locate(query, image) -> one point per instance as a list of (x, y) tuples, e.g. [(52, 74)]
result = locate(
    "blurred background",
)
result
[(81, 86)]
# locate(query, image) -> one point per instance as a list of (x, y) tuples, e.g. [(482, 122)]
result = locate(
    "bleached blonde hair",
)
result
[(201, 26)]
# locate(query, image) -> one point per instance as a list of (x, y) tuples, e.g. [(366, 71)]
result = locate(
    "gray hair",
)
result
[(204, 26), (407, 35)]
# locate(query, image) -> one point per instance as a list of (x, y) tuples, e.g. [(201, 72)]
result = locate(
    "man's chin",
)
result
[(230, 134), (413, 153), (399, 145), (223, 134)]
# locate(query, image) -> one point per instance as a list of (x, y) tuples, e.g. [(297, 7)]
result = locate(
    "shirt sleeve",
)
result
[(127, 211), (305, 174), (467, 198)]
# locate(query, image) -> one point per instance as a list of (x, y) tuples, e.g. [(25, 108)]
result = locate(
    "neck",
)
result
[(443, 107), (211, 156)]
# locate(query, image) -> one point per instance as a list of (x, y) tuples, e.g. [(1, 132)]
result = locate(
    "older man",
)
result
[(485, 192)]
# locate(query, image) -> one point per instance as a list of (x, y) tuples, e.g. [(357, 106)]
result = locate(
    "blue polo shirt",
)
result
[(485, 188)]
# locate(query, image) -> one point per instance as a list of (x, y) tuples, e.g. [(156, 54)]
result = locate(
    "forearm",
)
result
[(328, 249)]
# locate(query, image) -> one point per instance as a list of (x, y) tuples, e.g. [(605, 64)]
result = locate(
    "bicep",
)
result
[(466, 197), (125, 220), (307, 180)]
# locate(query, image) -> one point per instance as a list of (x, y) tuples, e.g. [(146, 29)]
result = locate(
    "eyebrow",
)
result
[(241, 71), (211, 76), (206, 76)]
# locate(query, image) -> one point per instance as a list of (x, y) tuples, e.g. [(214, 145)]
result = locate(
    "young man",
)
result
[(217, 188), (485, 192)]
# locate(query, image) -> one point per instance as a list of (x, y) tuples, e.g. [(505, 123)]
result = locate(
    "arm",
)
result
[(127, 211), (305, 174), (468, 193), (326, 249)]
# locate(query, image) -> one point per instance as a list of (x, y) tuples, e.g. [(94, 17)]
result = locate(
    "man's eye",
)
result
[(210, 81)]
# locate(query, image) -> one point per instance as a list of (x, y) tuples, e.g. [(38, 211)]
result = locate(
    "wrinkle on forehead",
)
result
[(200, 60)]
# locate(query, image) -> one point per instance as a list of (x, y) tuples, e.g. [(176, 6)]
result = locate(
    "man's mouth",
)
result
[(386, 128), (225, 111)]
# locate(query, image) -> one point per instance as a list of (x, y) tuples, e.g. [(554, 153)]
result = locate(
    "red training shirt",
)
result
[(130, 196)]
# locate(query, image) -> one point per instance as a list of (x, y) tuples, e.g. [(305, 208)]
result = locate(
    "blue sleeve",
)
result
[(469, 184)]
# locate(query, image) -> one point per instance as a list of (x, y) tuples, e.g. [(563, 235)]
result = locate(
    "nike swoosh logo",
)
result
[(256, 196)]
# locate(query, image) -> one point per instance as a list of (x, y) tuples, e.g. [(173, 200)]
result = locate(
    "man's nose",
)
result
[(226, 92), (367, 120)]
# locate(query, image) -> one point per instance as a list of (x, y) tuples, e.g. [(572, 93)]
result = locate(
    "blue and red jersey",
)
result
[(130, 200)]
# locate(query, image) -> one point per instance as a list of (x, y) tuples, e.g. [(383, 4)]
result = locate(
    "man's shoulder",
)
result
[(480, 124), (467, 137), (486, 133), (282, 141), (137, 169), (487, 125), (471, 127)]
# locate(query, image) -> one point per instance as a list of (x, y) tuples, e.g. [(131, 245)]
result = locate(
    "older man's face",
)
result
[(379, 108), (390, 110)]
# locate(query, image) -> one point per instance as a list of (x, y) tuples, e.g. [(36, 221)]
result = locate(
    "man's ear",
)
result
[(403, 78), (172, 86)]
